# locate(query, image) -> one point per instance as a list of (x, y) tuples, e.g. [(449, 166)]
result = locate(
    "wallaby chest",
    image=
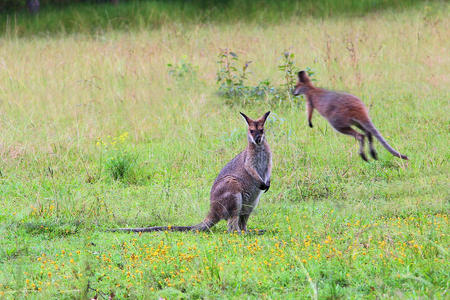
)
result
[(260, 160), (261, 163)]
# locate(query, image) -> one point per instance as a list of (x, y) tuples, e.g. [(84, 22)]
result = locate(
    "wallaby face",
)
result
[(342, 111), (255, 131), (238, 187), (303, 84)]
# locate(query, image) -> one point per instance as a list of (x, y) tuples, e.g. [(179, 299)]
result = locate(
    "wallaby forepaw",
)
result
[(310, 124), (267, 186), (264, 187)]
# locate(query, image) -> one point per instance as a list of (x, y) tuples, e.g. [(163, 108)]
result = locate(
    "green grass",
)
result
[(337, 227), (148, 15)]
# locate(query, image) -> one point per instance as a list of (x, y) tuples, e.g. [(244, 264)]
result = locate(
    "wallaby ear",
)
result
[(247, 119), (264, 118), (303, 77)]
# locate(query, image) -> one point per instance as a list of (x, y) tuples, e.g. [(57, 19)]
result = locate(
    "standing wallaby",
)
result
[(237, 188), (342, 111)]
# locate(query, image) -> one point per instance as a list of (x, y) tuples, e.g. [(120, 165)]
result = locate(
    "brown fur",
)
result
[(342, 111), (237, 188)]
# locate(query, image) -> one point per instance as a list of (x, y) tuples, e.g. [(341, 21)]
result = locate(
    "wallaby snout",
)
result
[(303, 84), (259, 139)]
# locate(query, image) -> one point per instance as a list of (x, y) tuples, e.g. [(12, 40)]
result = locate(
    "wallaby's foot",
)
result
[(248, 232), (363, 156), (404, 157), (257, 231), (260, 231), (310, 124), (373, 153)]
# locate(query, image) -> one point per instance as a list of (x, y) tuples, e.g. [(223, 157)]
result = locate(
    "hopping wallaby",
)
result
[(237, 188), (342, 111)]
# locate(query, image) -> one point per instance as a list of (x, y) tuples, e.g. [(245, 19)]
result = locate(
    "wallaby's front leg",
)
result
[(252, 171), (268, 175), (309, 109), (267, 185)]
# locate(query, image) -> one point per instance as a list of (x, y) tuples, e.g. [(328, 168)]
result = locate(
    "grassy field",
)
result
[(153, 14), (78, 111)]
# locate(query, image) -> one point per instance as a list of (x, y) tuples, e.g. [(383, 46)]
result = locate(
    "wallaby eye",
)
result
[(252, 131)]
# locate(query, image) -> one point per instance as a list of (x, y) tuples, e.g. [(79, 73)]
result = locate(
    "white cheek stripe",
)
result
[(251, 139)]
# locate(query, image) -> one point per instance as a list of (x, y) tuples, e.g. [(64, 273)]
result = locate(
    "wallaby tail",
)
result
[(152, 229), (205, 225), (368, 125)]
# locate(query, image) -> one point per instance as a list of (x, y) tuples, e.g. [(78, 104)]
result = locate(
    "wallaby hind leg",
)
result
[(233, 205), (243, 222), (373, 153), (356, 135), (233, 224)]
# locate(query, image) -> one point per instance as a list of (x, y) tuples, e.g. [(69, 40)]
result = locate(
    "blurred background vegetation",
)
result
[(25, 17)]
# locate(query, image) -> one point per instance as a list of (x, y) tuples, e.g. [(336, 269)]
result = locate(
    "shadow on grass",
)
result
[(51, 229), (12, 252)]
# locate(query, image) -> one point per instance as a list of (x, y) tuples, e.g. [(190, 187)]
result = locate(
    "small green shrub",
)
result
[(119, 166), (231, 81), (118, 161), (287, 67), (234, 87), (182, 71)]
